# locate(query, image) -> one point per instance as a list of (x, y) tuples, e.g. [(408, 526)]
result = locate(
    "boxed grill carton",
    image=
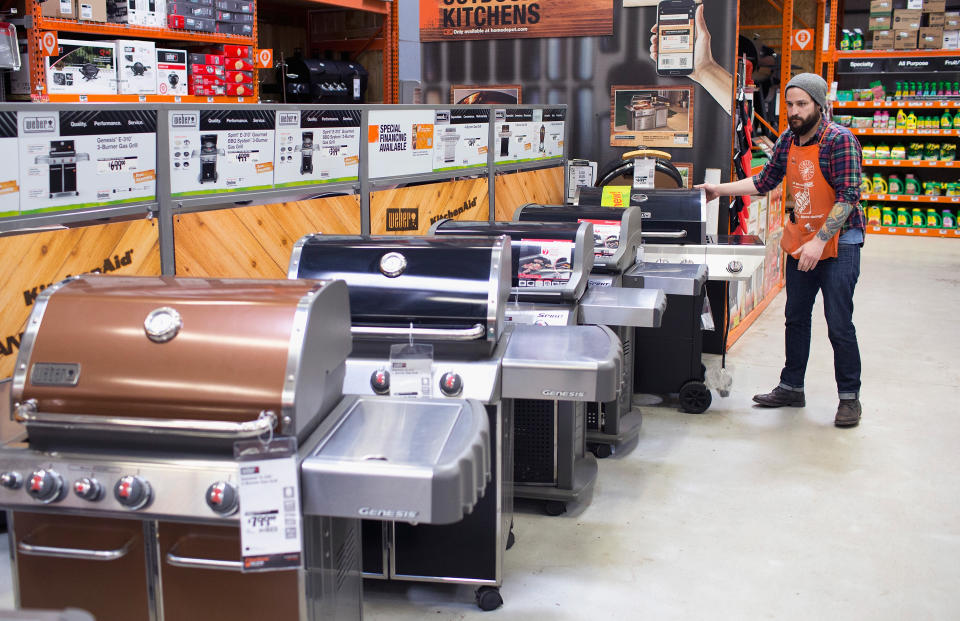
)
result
[(136, 67), (82, 68), (171, 72)]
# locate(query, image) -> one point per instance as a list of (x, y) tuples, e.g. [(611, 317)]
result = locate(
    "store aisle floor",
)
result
[(742, 513)]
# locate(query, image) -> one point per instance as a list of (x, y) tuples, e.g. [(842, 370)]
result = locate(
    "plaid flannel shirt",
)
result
[(840, 162)]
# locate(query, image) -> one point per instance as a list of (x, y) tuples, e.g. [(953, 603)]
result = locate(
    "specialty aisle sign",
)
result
[(460, 138), (317, 146), (400, 142), (524, 135), (216, 151), (461, 20)]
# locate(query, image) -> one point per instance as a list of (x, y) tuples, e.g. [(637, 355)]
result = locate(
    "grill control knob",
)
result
[(380, 381), (11, 480), (451, 384), (88, 488), (132, 492), (222, 497), (45, 486)]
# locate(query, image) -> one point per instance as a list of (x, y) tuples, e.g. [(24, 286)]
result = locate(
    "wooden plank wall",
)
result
[(256, 241), (531, 186), (422, 205), (33, 261)]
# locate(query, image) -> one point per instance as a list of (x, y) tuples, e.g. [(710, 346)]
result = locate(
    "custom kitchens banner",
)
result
[(41, 259), (462, 20)]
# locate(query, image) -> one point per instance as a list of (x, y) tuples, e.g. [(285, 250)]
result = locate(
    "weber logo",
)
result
[(499, 115), (639, 198), (443, 116), (182, 119), (39, 124), (646, 214), (402, 219), (289, 118)]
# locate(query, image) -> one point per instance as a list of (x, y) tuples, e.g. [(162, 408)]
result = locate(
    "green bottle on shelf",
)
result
[(894, 185), (946, 122), (933, 219), (898, 92), (916, 217), (903, 216), (956, 120), (947, 221), (845, 41), (911, 185), (887, 217)]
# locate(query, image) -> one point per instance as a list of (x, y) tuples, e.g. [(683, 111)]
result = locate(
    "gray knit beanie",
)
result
[(814, 85)]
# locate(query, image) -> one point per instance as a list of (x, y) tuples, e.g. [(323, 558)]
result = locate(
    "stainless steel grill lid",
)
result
[(670, 216), (182, 356), (550, 260), (616, 232), (446, 289)]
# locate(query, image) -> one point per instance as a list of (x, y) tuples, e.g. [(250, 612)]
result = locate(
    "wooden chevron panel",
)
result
[(256, 241), (411, 211), (529, 186), (34, 261)]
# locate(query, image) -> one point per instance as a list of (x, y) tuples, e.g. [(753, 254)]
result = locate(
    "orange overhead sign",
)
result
[(461, 20)]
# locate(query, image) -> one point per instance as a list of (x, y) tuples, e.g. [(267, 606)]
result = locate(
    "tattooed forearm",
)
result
[(835, 219)]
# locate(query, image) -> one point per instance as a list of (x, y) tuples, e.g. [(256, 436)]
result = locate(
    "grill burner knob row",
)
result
[(451, 384), (45, 486), (222, 497), (88, 488), (11, 480), (380, 381), (132, 492)]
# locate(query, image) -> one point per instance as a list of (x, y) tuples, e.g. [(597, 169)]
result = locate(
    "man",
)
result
[(820, 163)]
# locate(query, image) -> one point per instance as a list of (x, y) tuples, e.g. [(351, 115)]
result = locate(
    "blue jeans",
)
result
[(836, 278)]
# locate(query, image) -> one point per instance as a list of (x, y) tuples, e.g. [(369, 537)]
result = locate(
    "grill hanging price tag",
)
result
[(411, 370), (270, 528), (643, 170)]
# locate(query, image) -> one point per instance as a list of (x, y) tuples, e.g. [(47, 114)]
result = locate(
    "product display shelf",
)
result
[(900, 103), (38, 24), (868, 131), (840, 55), (912, 198), (147, 99), (910, 163), (912, 231)]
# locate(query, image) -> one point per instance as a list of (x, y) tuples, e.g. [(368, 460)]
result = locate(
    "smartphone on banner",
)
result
[(675, 37)]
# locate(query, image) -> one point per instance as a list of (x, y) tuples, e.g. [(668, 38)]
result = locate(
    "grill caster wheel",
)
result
[(555, 507), (488, 598), (695, 397), (601, 451)]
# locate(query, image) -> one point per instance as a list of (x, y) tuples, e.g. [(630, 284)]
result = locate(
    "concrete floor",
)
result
[(743, 513)]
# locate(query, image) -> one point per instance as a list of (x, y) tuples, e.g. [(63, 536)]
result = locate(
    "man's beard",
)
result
[(801, 127)]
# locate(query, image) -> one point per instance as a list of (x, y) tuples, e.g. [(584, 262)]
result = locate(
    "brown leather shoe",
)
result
[(848, 413), (781, 397)]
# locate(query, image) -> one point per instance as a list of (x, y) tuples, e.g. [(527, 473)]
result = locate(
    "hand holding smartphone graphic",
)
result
[(680, 45)]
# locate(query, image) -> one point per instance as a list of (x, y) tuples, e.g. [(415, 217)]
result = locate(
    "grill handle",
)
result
[(30, 549), (437, 334), (27, 413), (190, 562), (670, 234)]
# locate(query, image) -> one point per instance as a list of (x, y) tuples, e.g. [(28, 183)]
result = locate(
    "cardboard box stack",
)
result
[(235, 17), (223, 70), (881, 22)]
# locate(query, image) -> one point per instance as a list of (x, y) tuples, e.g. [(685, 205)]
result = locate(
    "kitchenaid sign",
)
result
[(453, 20)]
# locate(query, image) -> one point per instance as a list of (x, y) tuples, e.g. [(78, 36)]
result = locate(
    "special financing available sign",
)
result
[(461, 20)]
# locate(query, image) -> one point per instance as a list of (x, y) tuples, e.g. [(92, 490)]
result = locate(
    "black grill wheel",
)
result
[(695, 397)]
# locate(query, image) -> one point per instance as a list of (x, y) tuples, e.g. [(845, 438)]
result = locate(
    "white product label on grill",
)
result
[(643, 171), (606, 237), (270, 530), (545, 262), (411, 370)]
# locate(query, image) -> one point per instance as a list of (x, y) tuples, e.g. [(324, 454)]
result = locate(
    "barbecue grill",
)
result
[(125, 488), (448, 295), (550, 461), (616, 236), (62, 159)]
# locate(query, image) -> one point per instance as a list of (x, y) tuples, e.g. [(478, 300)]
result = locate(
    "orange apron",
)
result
[(812, 197)]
